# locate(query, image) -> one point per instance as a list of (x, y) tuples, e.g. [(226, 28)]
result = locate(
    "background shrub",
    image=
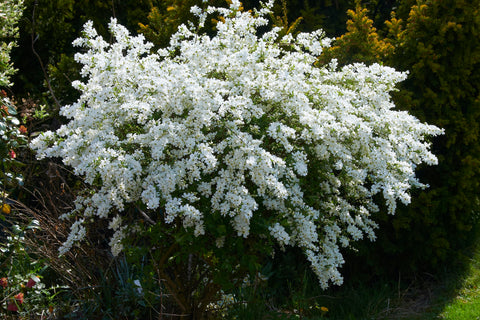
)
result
[(438, 42)]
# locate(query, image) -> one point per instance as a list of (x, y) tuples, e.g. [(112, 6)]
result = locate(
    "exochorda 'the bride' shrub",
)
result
[(238, 126)]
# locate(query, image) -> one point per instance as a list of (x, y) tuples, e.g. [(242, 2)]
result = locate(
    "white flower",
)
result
[(220, 242), (115, 243), (279, 233), (116, 223), (77, 233)]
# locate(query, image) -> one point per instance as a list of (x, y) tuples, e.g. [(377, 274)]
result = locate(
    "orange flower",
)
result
[(19, 297), (4, 282), (22, 129), (12, 154)]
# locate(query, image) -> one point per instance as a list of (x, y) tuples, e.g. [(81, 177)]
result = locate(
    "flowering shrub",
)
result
[(236, 137)]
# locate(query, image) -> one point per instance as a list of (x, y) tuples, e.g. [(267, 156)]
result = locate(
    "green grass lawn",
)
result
[(463, 302)]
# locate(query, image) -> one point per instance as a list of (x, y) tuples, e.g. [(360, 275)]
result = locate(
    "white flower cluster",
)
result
[(239, 125)]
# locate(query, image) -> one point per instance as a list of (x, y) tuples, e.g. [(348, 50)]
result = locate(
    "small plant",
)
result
[(11, 132), (22, 292), (12, 137)]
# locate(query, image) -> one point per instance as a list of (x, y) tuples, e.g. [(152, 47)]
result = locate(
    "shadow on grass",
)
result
[(450, 293), (454, 293), (293, 293)]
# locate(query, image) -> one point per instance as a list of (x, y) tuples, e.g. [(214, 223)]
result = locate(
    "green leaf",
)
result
[(14, 121), (11, 109), (222, 230)]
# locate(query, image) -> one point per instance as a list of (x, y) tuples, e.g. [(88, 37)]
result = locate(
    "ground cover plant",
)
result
[(211, 155)]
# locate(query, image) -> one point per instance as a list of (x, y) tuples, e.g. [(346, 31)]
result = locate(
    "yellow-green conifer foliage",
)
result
[(281, 20), (438, 42), (361, 43), (440, 46)]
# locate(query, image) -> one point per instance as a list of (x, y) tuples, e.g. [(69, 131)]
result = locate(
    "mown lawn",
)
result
[(462, 299)]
